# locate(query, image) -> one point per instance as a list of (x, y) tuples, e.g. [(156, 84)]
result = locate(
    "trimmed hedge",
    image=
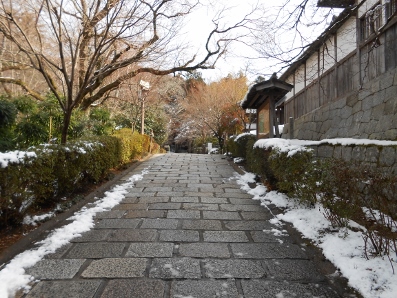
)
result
[(346, 190), (42, 179)]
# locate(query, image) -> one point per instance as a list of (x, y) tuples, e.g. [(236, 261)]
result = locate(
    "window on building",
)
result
[(390, 8), (371, 22)]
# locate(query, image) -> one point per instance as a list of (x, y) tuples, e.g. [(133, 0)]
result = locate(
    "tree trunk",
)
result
[(65, 126)]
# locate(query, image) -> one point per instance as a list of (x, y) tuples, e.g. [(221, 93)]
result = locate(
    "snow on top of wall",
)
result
[(293, 146)]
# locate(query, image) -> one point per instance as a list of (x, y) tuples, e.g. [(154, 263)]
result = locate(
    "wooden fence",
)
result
[(376, 57)]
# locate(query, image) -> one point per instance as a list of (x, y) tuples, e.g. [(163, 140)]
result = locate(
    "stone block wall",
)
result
[(382, 157), (368, 113)]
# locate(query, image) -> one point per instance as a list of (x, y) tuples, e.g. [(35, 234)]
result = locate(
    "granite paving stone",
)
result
[(185, 199), (204, 289), (93, 235), (128, 288), (150, 250), (110, 214), (131, 207), (234, 268), (203, 224), (147, 200), (214, 200), (248, 225), (186, 214), (55, 269), (117, 223), (287, 269), (221, 215), (167, 268), (62, 288), (248, 208), (165, 206), (159, 223), (270, 289), (95, 250), (137, 235), (179, 236), (200, 206), (145, 213), (267, 251), (225, 236), (264, 215), (116, 268), (204, 250)]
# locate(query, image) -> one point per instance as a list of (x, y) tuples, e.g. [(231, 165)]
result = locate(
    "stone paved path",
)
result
[(185, 230)]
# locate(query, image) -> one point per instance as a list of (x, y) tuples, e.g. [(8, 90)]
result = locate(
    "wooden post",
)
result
[(272, 116)]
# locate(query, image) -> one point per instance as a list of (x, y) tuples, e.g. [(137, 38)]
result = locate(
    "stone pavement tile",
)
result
[(154, 200), (200, 206), (59, 252), (267, 251), (214, 200), (110, 214), (166, 268), (63, 289), (187, 214), (159, 223), (221, 215), (93, 236), (55, 269), (130, 200), (146, 194), (236, 195), (129, 288), (179, 236), (247, 208), (150, 250), (204, 250), (95, 250), (204, 289), (117, 223), (160, 188), (225, 236), (131, 207), (116, 268), (145, 213), (134, 191), (264, 215), (185, 199), (234, 268), (248, 201), (133, 235), (203, 224), (303, 270), (165, 206), (261, 236), (248, 225), (199, 194), (285, 289)]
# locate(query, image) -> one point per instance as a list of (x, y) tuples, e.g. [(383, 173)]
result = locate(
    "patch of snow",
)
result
[(14, 157)]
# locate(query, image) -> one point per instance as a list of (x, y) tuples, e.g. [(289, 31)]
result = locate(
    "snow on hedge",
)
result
[(14, 157)]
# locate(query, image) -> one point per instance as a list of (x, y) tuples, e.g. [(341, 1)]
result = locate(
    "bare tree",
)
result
[(287, 30), (85, 49)]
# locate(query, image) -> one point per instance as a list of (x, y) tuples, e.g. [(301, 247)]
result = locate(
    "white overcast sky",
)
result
[(200, 24)]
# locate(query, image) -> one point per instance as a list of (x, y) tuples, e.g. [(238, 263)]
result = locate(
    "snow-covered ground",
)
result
[(13, 277), (373, 278)]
